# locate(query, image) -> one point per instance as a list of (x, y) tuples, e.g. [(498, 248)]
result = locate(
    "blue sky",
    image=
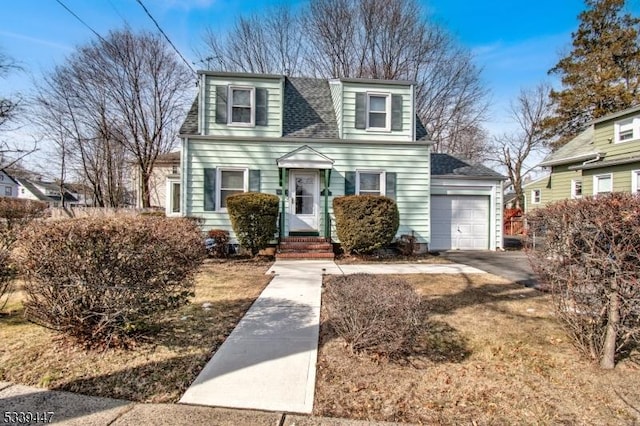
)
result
[(515, 42)]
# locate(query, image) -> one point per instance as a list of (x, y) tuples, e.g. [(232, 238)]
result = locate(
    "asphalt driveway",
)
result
[(512, 265)]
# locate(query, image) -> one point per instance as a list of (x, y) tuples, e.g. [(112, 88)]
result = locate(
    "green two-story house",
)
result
[(604, 158), (309, 140)]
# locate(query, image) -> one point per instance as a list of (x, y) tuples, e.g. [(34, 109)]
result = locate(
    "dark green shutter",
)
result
[(254, 180), (209, 189), (390, 185), (349, 183), (221, 104), (396, 112), (261, 106), (361, 111)]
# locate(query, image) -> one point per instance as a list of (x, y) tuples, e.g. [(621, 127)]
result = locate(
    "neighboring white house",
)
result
[(164, 184), (40, 190), (8, 185)]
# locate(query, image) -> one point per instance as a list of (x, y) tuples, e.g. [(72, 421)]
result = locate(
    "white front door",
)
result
[(304, 191)]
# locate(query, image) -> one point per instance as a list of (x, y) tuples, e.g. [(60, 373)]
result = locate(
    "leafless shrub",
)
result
[(218, 246), (15, 214), (101, 280), (591, 262), (373, 313)]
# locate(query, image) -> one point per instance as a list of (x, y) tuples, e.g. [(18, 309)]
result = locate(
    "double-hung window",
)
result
[(602, 184), (7, 191), (379, 111), (576, 189), (242, 106), (536, 196), (627, 130), (370, 182), (230, 181)]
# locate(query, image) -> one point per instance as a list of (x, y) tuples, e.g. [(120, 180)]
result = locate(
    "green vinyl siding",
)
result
[(410, 162), (604, 140), (621, 177), (348, 119), (274, 108)]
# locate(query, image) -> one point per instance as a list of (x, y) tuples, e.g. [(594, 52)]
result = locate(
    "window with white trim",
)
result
[(230, 181), (370, 182), (627, 130), (175, 197), (379, 111), (635, 181), (536, 196), (242, 102), (602, 184), (7, 191), (576, 189)]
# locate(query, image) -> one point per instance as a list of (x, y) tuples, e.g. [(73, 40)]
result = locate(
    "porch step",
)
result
[(305, 255), (305, 248), (304, 240)]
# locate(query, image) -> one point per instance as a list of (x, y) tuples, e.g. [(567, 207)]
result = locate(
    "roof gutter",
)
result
[(560, 161)]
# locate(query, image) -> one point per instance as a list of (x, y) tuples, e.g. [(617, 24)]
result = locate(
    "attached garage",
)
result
[(460, 222), (466, 205)]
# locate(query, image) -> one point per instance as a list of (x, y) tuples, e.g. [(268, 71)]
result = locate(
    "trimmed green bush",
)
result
[(254, 218), (373, 313), (365, 223), (101, 280)]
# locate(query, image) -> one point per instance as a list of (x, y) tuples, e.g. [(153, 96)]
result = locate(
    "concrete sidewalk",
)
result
[(269, 360), (71, 409)]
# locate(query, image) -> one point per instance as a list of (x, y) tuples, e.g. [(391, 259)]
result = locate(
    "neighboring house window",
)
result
[(576, 189), (7, 191), (241, 106), (1, 177), (370, 182), (627, 130), (635, 181), (379, 111), (174, 170), (535, 196), (231, 181), (174, 197), (602, 184)]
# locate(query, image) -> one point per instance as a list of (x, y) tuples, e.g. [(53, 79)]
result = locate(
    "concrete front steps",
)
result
[(305, 248)]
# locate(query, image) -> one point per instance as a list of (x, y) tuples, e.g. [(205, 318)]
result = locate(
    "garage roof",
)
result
[(446, 165)]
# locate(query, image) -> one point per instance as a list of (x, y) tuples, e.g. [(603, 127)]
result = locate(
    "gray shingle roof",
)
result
[(574, 150), (447, 165), (190, 125), (308, 109), (308, 112), (54, 187)]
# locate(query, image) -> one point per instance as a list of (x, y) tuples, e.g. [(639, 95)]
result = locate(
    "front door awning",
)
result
[(305, 157)]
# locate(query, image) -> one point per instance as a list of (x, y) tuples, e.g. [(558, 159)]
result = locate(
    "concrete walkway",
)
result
[(269, 360)]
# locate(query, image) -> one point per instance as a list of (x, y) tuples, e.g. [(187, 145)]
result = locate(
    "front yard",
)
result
[(491, 353), (158, 370)]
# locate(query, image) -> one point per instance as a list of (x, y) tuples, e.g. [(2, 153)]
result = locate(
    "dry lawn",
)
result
[(491, 353), (158, 369)]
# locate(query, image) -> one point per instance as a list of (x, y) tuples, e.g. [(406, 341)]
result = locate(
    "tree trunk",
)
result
[(145, 178), (609, 349)]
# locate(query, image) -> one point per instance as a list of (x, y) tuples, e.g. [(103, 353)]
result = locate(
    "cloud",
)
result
[(36, 40)]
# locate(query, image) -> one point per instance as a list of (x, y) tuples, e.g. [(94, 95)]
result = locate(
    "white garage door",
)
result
[(459, 222)]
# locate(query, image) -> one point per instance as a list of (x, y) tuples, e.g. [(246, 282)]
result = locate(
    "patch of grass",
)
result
[(491, 352), (157, 370)]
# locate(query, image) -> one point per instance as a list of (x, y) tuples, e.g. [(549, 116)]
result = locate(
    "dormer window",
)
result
[(627, 130), (379, 111), (241, 107)]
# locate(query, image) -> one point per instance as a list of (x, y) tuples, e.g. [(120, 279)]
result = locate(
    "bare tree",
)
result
[(267, 43), (512, 150), (368, 39), (10, 108), (119, 98)]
